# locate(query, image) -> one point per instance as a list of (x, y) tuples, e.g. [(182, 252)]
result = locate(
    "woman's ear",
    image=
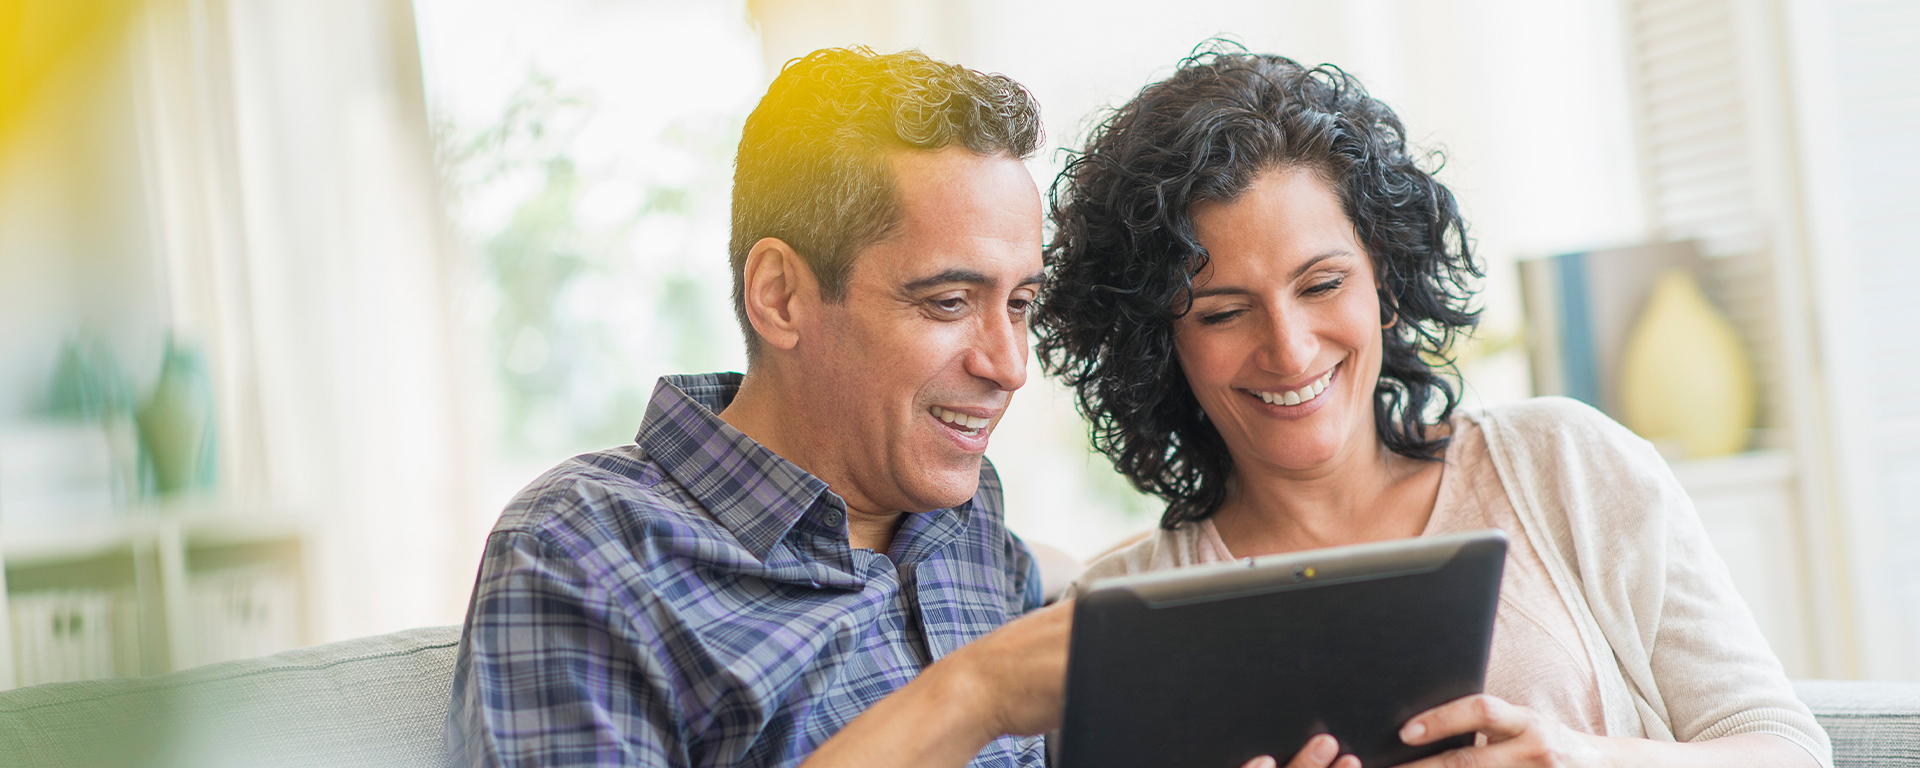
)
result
[(779, 291)]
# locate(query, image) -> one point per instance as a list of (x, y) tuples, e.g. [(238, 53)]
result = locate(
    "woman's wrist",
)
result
[(1608, 752)]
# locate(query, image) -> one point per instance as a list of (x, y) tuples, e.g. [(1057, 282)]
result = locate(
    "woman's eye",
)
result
[(1216, 318), (1328, 286)]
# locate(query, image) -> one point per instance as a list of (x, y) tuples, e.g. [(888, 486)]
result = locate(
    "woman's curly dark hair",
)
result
[(1124, 256)]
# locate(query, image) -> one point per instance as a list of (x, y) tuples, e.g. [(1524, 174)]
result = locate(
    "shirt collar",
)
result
[(749, 489), (757, 495)]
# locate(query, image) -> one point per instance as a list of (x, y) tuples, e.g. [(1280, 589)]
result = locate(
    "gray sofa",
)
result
[(374, 701), (381, 701)]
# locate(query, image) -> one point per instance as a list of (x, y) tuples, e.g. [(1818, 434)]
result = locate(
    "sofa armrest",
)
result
[(1872, 724)]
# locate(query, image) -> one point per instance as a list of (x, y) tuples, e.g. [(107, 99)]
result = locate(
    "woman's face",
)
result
[(1282, 344)]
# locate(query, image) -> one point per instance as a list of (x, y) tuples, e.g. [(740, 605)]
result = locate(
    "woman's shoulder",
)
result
[(1157, 550), (1544, 414), (1584, 473), (1557, 430)]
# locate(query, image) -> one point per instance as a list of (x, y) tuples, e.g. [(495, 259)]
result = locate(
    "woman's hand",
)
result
[(1516, 736), (1319, 752)]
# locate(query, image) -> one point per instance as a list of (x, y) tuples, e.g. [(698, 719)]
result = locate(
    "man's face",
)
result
[(917, 364)]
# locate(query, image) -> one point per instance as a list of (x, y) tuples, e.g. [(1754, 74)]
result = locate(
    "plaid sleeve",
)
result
[(548, 674)]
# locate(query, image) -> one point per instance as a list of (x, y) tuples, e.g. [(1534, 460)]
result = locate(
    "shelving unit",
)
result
[(150, 591)]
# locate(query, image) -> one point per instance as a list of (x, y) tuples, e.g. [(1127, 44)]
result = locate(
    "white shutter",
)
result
[(1698, 155)]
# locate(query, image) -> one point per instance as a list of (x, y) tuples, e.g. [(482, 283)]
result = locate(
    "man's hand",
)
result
[(1012, 681), (1016, 677)]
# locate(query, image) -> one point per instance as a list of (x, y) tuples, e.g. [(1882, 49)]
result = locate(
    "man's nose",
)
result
[(1000, 353)]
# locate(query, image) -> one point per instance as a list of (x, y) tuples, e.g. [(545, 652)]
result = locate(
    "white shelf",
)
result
[(182, 567), (1748, 504)]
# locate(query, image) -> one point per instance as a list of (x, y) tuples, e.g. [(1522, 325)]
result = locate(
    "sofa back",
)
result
[(382, 701), (372, 701)]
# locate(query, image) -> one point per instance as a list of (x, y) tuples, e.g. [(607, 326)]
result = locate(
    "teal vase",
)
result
[(177, 424)]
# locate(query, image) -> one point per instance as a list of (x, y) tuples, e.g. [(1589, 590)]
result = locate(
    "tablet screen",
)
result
[(1213, 665)]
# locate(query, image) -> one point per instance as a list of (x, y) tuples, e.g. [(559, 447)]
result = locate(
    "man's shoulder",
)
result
[(614, 493)]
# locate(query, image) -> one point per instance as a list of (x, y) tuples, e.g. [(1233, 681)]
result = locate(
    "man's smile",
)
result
[(967, 424)]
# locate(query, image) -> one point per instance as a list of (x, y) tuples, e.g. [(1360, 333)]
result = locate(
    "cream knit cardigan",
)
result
[(1626, 551)]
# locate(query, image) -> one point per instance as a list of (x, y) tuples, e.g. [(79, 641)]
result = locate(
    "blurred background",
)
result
[(295, 295)]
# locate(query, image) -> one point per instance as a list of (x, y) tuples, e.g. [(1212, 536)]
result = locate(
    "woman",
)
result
[(1252, 284)]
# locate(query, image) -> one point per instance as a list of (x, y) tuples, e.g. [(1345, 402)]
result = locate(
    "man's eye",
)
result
[(951, 306), (1020, 306)]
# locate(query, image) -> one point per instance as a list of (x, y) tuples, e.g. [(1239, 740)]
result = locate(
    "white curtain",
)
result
[(291, 173)]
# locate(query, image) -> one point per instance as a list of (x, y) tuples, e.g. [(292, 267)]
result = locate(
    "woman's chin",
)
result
[(1296, 458)]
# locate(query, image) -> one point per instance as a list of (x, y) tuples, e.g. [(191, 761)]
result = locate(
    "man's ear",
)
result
[(780, 292)]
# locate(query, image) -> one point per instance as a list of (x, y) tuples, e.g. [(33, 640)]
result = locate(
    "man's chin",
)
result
[(950, 488)]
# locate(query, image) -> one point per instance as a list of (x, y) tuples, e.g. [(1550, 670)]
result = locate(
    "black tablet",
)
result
[(1214, 665)]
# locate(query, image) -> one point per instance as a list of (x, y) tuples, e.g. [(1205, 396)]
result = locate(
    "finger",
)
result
[(1316, 753), (1516, 752), (1347, 761), (1262, 761), (1481, 713)]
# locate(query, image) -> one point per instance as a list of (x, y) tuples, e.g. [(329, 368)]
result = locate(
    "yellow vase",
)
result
[(1684, 377)]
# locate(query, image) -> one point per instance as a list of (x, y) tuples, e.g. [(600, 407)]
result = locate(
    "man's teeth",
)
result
[(1300, 395), (969, 424)]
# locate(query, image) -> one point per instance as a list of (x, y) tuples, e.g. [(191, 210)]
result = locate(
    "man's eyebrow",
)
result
[(963, 276), (949, 276), (1297, 272)]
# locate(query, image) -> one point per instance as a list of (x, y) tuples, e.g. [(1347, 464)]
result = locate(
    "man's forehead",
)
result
[(964, 219)]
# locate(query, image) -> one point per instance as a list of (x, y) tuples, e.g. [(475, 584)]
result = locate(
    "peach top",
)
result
[(1602, 539)]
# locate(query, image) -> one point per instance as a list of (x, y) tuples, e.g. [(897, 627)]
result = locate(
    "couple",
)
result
[(1250, 280)]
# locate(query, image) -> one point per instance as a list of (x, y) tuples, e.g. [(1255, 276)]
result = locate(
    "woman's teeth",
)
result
[(969, 425), (1300, 395)]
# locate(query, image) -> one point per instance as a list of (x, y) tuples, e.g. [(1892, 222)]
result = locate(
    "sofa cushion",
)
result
[(372, 701), (1872, 724)]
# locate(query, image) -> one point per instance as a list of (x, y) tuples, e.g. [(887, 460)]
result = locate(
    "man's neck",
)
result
[(762, 412)]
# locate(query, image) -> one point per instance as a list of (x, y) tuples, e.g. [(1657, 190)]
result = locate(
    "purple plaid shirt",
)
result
[(692, 600)]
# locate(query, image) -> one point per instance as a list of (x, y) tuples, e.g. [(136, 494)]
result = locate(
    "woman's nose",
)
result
[(1291, 346)]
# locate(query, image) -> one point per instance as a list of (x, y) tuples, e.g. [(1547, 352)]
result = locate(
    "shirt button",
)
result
[(832, 518)]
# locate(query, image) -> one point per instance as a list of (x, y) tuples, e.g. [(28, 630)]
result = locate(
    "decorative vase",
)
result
[(1684, 377), (176, 424)]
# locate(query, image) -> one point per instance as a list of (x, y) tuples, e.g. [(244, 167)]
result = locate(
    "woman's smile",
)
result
[(1294, 398)]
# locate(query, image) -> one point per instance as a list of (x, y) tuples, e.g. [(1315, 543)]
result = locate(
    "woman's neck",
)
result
[(1373, 496)]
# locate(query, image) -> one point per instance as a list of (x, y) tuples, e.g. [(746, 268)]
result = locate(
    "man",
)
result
[(806, 563)]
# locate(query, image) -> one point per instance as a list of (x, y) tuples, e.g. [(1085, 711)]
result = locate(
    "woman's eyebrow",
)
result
[(1297, 272), (1335, 253)]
